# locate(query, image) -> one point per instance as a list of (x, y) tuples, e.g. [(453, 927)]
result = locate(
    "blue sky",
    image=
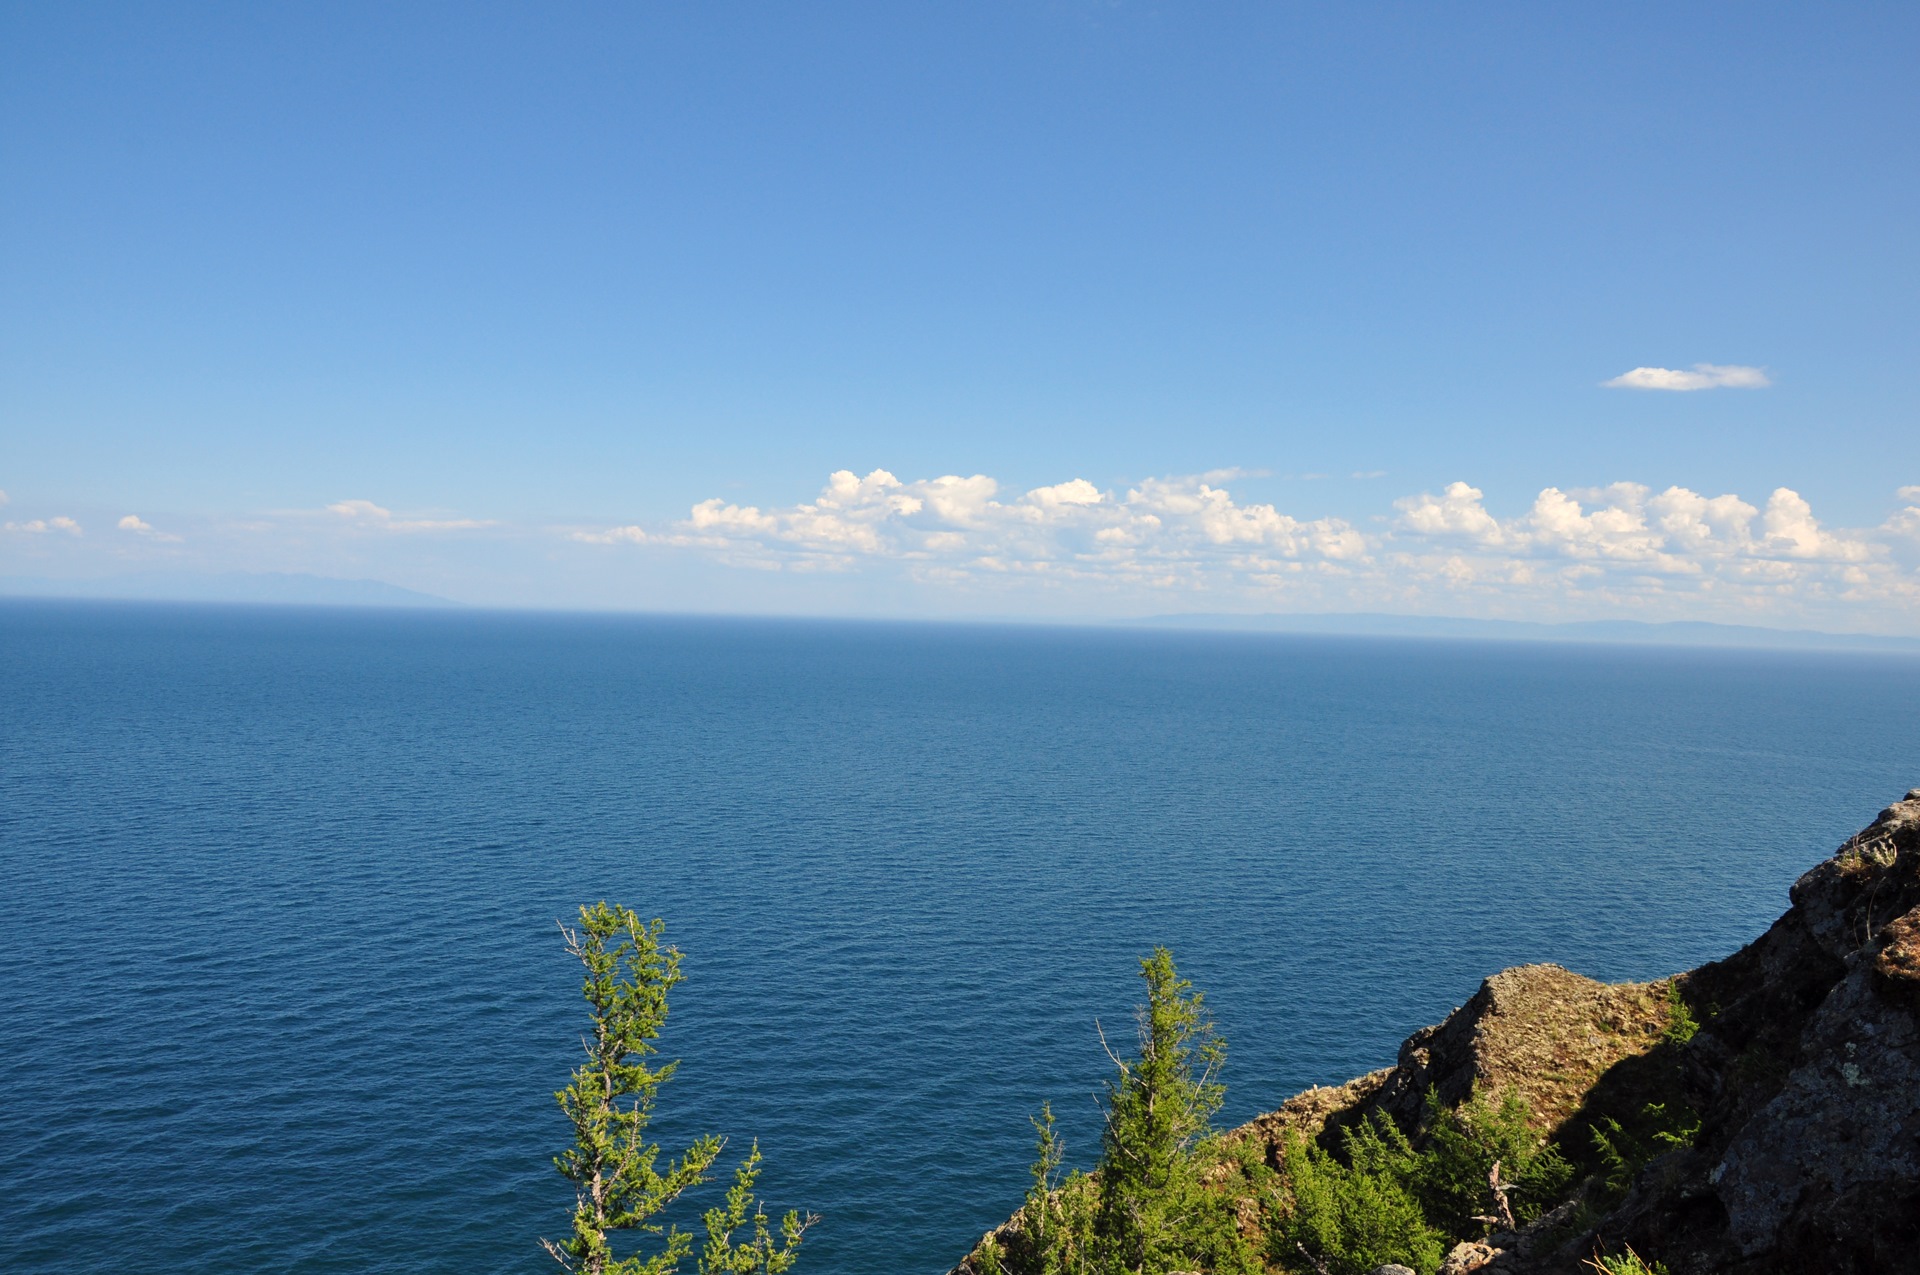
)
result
[(493, 300)]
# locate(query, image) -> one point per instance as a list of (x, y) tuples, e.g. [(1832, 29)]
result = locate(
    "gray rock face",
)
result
[(1845, 1129), (1829, 1170), (1808, 1157)]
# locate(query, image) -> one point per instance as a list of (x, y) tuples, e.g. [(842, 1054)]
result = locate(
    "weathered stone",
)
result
[(1896, 968), (1843, 1132), (1468, 1257)]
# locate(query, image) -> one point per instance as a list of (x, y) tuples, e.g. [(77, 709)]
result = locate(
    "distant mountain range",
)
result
[(270, 587), (285, 588), (1673, 633)]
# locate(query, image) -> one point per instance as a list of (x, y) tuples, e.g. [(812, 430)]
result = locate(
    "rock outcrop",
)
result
[(1545, 1031), (1808, 1081), (1799, 1055)]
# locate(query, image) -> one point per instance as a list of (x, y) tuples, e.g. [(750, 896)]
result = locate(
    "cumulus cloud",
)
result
[(43, 526), (1791, 531), (1628, 546), (1627, 522), (366, 514), (1903, 529), (1455, 514), (954, 527), (1702, 376), (1624, 548), (1077, 491)]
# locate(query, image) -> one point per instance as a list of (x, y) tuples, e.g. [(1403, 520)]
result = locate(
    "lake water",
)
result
[(280, 987)]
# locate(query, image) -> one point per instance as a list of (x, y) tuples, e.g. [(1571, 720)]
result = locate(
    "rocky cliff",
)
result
[(1773, 1098)]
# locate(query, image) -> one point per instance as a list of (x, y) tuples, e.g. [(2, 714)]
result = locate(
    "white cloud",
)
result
[(719, 518), (366, 514), (3, 497), (1792, 531), (42, 526), (1623, 549), (1703, 376), (1457, 513), (140, 527), (1627, 523), (953, 527), (1903, 529), (612, 536), (1077, 491)]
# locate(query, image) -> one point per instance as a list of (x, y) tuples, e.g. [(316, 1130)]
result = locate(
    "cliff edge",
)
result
[(1759, 1114)]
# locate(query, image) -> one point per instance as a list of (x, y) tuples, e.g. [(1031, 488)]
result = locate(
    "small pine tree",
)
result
[(1159, 1106), (1055, 1222), (618, 1184)]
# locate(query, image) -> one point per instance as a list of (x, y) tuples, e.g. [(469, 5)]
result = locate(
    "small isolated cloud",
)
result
[(1369, 473), (1703, 376), (612, 536), (41, 526), (1905, 493), (3, 497), (140, 527), (364, 513)]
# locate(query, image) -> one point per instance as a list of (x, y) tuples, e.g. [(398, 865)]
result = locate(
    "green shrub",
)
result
[(1356, 1216), (1055, 1234), (1629, 1263), (1464, 1145), (1661, 1127), (1681, 1024)]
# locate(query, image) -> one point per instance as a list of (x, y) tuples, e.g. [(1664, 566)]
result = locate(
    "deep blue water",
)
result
[(280, 987)]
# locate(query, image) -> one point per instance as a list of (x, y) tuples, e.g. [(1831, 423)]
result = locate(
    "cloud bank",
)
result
[(953, 544), (952, 526), (1622, 549)]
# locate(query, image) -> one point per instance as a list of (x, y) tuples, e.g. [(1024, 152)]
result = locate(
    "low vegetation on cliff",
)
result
[(1328, 1196), (1760, 1114)]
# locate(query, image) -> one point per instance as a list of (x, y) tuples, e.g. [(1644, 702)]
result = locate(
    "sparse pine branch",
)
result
[(619, 1181)]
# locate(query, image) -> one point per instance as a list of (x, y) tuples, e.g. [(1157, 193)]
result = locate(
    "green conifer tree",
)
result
[(618, 1185), (1158, 1107)]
